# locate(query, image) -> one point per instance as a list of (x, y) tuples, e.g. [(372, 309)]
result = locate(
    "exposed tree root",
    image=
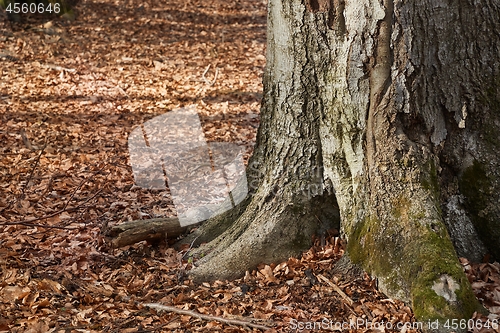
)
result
[(270, 229)]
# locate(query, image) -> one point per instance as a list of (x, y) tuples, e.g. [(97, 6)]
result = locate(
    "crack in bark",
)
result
[(336, 19), (380, 77)]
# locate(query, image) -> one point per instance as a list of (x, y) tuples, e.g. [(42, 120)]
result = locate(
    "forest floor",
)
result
[(70, 94)]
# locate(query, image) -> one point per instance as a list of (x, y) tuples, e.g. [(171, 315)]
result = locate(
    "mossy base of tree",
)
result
[(414, 260)]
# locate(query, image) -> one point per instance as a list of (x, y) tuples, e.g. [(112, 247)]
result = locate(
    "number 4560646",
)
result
[(33, 8)]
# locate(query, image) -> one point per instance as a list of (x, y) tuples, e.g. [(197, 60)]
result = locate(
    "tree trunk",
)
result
[(387, 114)]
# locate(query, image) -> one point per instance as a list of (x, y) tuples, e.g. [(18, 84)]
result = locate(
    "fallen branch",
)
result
[(336, 288), (131, 232), (205, 317)]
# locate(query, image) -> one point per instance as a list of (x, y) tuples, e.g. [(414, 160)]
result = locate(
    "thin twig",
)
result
[(65, 208), (27, 224), (204, 316), (81, 184), (190, 247), (158, 327), (32, 172), (205, 73), (74, 193), (47, 188), (207, 81), (215, 76), (30, 224), (337, 289)]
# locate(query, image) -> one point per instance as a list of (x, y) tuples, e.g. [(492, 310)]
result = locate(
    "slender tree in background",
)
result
[(387, 114)]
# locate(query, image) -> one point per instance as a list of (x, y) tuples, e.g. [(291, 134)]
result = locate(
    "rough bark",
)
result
[(390, 110), (289, 201)]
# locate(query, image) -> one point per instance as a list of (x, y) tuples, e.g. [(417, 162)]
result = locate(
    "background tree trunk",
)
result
[(390, 110)]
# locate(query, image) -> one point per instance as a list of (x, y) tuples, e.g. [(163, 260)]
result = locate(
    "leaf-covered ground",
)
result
[(70, 93)]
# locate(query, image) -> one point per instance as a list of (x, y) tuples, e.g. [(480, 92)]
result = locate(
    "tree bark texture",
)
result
[(387, 113), (151, 230)]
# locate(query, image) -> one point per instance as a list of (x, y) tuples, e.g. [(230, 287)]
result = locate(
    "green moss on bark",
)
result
[(431, 182), (409, 253), (436, 256)]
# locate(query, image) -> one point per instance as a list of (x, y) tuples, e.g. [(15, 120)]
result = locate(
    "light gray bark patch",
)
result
[(446, 286), (465, 238)]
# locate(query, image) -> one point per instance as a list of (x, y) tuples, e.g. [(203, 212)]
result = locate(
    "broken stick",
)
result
[(204, 316)]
